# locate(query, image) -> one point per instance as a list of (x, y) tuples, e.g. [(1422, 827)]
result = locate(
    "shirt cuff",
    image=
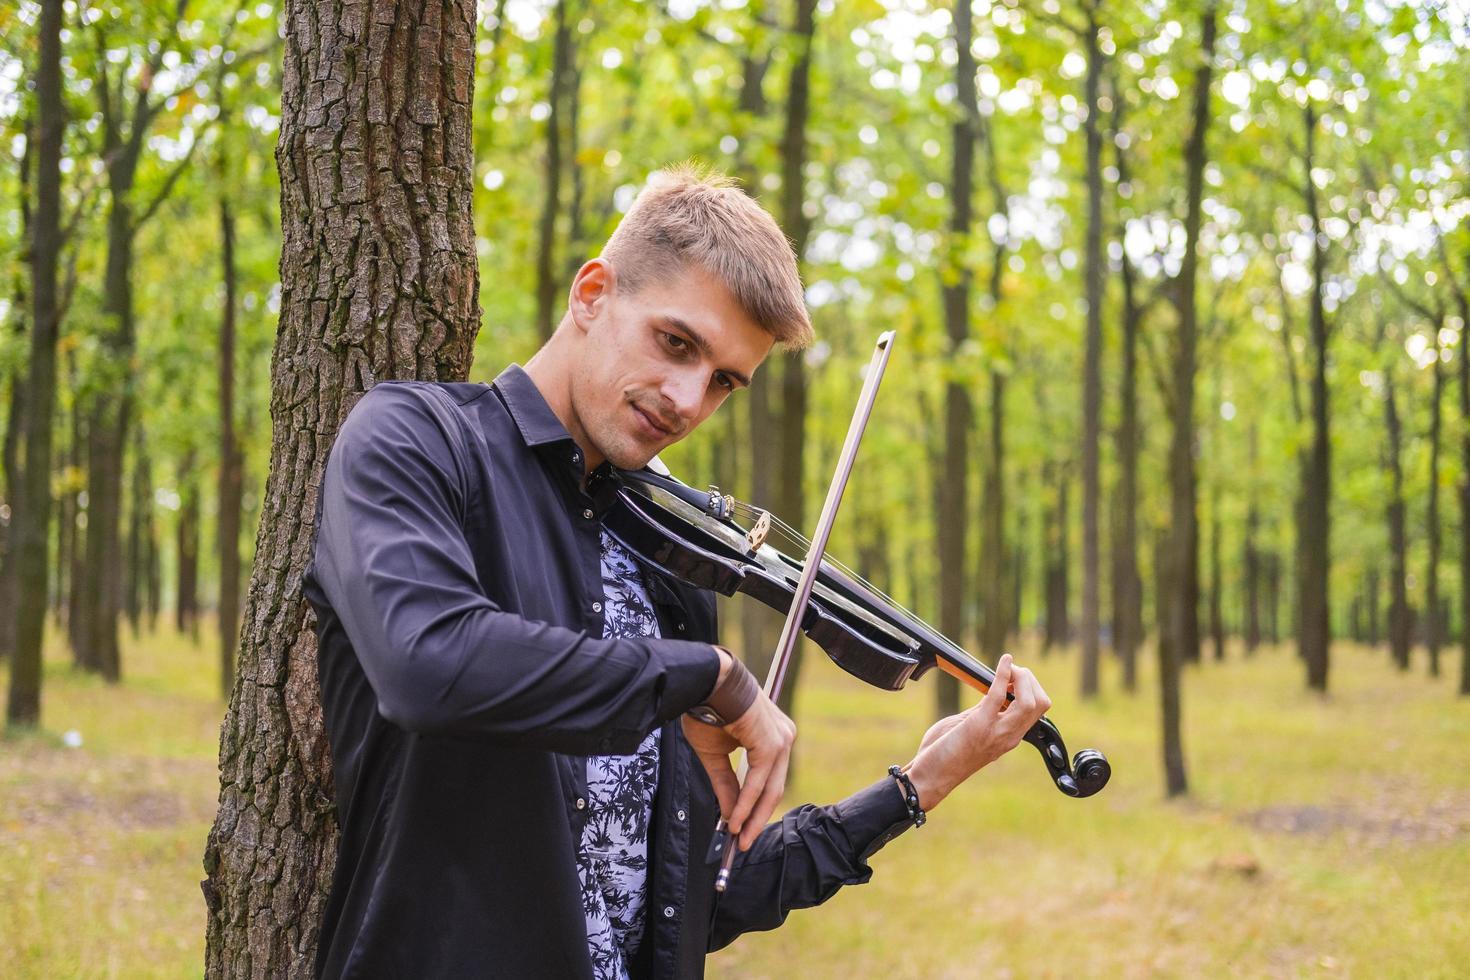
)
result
[(874, 816), (692, 668)]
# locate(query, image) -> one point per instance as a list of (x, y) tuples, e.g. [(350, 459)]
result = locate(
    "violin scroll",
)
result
[(1088, 772)]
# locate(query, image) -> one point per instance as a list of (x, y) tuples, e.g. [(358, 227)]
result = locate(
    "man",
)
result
[(520, 790)]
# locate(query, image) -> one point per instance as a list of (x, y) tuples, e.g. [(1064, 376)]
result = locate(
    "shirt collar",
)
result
[(537, 422)]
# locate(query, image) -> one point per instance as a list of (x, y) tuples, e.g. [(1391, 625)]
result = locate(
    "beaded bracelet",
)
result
[(910, 795)]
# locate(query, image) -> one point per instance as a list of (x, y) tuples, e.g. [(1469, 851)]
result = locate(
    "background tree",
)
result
[(378, 281)]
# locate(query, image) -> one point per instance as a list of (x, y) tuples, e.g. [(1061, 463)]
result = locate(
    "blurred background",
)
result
[(1179, 412)]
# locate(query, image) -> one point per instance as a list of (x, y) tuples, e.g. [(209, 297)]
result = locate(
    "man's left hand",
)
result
[(957, 747)]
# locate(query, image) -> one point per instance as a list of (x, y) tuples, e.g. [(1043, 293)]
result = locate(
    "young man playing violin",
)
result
[(520, 787)]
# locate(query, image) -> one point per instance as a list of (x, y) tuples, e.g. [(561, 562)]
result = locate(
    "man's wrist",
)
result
[(734, 692), (928, 780), (727, 660)]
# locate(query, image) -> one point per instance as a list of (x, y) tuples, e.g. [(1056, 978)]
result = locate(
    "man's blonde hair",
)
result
[(689, 215)]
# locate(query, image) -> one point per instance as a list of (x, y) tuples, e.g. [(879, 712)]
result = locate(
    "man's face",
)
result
[(656, 363)]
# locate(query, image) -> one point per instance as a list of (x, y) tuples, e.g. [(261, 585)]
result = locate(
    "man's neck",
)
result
[(550, 371)]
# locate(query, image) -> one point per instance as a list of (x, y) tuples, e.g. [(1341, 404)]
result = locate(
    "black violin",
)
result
[(693, 536)]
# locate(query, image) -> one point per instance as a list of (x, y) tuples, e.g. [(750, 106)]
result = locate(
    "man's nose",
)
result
[(685, 393)]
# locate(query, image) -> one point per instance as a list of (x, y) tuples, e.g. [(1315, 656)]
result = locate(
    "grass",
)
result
[(1322, 837)]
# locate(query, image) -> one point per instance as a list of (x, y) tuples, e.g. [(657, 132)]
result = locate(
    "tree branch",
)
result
[(168, 183)]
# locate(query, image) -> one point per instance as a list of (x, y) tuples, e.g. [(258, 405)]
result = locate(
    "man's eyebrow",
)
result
[(697, 338)]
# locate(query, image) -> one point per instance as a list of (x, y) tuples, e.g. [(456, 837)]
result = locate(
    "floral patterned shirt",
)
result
[(612, 857)]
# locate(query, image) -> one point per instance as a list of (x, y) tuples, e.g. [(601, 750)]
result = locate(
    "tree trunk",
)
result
[(230, 463), (1217, 574), (15, 416), (756, 621), (548, 282), (186, 612), (999, 600), (1374, 634), (31, 520), (792, 504), (1058, 627), (76, 609), (1183, 566), (1176, 782), (379, 280), (1127, 582), (1252, 554), (1092, 362), (995, 613), (1398, 547), (140, 533), (956, 281), (1464, 488), (107, 428), (1435, 623), (66, 528), (1315, 629)]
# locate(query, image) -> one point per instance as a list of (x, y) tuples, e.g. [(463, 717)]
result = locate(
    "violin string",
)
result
[(797, 538)]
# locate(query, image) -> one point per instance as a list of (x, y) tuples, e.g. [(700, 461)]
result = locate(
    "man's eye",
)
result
[(725, 381), (675, 341)]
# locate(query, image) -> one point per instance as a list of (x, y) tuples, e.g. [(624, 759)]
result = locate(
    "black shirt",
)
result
[(464, 675)]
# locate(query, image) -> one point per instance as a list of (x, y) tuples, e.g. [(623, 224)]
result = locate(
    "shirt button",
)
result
[(588, 513), (668, 911), (576, 457), (680, 627), (581, 803), (597, 607), (682, 814)]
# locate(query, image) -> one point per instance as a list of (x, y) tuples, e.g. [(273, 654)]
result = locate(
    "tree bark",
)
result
[(1398, 547), (1315, 629), (1092, 361), (548, 281), (79, 451), (1435, 622), (1182, 565), (1371, 587), (1464, 489), (998, 599), (141, 533), (1252, 554), (756, 622), (956, 282), (794, 146), (1058, 622), (31, 521), (1127, 582), (230, 463), (1217, 575), (379, 280), (186, 610), (15, 416)]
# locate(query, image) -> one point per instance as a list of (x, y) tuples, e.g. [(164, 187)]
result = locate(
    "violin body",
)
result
[(680, 531)]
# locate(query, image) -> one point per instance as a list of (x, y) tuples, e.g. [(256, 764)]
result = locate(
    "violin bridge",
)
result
[(756, 536)]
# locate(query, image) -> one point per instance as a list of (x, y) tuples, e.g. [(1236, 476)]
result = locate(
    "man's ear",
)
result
[(591, 290)]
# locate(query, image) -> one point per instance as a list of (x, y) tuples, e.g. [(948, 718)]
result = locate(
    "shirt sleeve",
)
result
[(803, 859), (392, 560)]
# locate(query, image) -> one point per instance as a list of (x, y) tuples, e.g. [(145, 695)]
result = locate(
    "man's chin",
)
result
[(633, 457)]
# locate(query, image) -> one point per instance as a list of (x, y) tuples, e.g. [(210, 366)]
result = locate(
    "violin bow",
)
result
[(791, 631)]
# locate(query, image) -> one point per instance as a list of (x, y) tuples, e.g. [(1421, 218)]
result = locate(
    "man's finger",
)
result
[(995, 698), (726, 786), (766, 805), (750, 792)]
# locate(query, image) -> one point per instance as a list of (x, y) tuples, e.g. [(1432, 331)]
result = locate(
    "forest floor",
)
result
[(1321, 837)]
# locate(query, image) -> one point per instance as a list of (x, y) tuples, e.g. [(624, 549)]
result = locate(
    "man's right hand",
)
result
[(767, 735)]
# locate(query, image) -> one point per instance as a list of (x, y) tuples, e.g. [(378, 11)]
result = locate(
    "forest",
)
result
[(1178, 395)]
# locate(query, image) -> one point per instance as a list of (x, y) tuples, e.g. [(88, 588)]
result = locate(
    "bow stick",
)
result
[(791, 631)]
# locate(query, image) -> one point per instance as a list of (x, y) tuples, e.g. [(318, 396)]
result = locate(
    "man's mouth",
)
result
[(654, 426)]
